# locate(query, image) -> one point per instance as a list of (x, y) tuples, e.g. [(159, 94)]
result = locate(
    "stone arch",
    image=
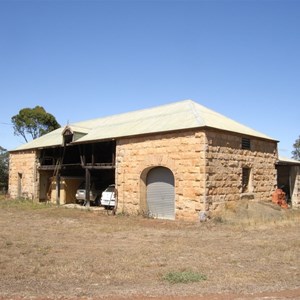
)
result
[(143, 188), (152, 162)]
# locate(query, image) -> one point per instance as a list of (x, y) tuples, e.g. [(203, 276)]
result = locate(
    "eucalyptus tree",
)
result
[(33, 122), (296, 151)]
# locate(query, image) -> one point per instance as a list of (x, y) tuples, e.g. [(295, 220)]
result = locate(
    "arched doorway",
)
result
[(161, 193)]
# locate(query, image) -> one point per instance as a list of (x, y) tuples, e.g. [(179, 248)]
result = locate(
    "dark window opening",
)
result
[(20, 175), (68, 137), (246, 144), (245, 179)]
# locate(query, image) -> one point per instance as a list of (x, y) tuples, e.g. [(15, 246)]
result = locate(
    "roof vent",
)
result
[(246, 144)]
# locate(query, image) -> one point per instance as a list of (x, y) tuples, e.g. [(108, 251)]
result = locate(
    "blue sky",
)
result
[(87, 59)]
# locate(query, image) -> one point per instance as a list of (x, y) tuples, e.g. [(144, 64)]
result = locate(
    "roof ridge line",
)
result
[(195, 113)]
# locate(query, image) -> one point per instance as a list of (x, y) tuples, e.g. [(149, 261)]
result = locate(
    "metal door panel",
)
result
[(161, 193)]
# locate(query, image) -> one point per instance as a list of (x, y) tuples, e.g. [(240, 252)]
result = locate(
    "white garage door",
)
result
[(161, 193)]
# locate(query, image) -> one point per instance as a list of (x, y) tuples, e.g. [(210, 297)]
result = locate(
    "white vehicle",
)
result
[(95, 193), (108, 198)]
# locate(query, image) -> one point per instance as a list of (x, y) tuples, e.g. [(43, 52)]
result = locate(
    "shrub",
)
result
[(184, 277)]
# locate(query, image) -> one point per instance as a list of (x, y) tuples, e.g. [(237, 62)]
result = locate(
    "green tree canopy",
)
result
[(296, 151), (3, 168), (34, 122)]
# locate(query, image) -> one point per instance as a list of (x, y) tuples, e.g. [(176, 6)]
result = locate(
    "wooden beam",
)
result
[(93, 154), (57, 189), (99, 167), (87, 187)]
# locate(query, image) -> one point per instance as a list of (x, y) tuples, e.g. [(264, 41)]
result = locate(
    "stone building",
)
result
[(171, 161)]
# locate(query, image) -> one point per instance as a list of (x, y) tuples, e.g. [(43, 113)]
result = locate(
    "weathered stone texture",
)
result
[(207, 168), (224, 167), (295, 181), (23, 175), (180, 152)]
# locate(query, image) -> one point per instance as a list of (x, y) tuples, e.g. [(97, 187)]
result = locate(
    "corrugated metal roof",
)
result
[(287, 161), (53, 138), (175, 116)]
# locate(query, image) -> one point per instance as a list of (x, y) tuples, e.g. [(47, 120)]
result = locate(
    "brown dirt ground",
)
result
[(57, 253)]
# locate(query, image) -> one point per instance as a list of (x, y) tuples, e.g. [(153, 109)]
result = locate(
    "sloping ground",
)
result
[(58, 253), (254, 212)]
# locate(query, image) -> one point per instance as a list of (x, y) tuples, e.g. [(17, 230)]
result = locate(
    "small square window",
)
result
[(246, 144)]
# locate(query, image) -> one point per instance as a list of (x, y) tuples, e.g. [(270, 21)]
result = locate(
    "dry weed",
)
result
[(58, 252)]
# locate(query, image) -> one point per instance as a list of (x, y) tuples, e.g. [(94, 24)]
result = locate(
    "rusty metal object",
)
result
[(278, 197)]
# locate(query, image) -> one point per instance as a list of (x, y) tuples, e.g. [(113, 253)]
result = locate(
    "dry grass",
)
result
[(57, 252), (256, 213)]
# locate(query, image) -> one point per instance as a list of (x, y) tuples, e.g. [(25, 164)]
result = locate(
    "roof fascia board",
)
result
[(200, 128), (241, 134)]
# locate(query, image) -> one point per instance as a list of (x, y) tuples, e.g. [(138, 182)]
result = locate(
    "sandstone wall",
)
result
[(224, 164), (23, 175), (181, 152), (295, 182), (207, 168)]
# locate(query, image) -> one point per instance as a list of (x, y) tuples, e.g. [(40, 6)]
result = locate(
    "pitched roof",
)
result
[(185, 114)]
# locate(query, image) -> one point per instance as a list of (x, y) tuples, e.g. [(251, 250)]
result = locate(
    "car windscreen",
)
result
[(110, 189)]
